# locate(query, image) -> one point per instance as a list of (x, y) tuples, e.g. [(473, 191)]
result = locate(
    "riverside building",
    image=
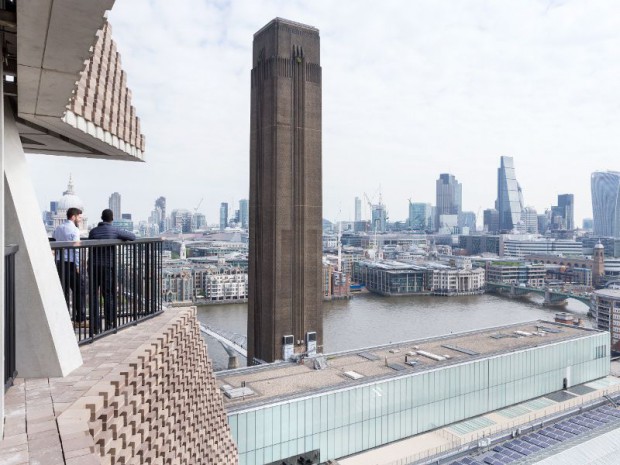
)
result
[(359, 400), (606, 310), (529, 274)]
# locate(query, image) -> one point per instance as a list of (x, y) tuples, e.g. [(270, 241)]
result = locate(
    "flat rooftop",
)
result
[(283, 381)]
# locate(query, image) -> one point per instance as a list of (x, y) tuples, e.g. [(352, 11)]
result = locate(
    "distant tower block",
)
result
[(285, 264)]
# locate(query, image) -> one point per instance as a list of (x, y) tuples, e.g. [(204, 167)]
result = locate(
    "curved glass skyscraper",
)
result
[(606, 203), (509, 202)]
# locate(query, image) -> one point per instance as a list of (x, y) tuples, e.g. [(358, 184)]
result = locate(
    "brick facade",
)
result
[(146, 395), (102, 97)]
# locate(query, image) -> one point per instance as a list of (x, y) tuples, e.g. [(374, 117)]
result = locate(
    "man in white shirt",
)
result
[(69, 263)]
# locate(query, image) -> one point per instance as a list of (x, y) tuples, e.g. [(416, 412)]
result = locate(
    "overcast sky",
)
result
[(411, 89)]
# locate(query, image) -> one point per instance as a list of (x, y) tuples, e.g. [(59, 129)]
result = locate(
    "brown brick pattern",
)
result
[(102, 96), (146, 395), (163, 406)]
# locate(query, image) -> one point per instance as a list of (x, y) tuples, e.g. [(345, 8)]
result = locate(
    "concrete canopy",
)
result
[(55, 41)]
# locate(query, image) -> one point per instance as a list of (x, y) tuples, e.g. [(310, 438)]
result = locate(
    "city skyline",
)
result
[(516, 79)]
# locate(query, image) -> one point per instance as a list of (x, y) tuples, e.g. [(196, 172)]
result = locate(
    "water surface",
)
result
[(369, 319)]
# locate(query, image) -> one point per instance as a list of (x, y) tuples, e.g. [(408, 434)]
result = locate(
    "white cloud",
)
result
[(410, 89)]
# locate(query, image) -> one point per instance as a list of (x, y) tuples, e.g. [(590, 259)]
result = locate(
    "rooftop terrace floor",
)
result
[(276, 382), (32, 406)]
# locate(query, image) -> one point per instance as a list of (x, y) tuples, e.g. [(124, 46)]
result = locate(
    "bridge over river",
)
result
[(552, 296)]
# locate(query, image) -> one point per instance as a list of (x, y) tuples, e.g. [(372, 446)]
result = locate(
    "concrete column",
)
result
[(46, 343), (2, 354)]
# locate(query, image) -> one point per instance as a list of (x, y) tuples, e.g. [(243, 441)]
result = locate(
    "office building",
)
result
[(468, 220), (509, 203), (606, 311), (161, 204), (543, 223), (587, 224), (199, 222), (358, 209), (490, 218), (566, 209), (420, 216), (477, 244), (605, 203), (378, 218), (244, 213), (285, 269), (181, 220), (529, 218), (114, 204), (528, 274), (448, 195), (521, 246), (223, 216)]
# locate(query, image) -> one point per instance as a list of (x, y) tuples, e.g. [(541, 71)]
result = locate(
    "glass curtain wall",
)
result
[(348, 421)]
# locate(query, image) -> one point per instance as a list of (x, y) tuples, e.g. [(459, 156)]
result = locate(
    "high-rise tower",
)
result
[(449, 196), (509, 203), (223, 216), (285, 269), (244, 213), (114, 204), (161, 204), (606, 203), (358, 209)]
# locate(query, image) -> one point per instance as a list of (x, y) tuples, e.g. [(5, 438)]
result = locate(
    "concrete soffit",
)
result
[(57, 43)]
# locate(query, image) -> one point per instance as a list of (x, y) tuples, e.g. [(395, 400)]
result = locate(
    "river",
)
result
[(369, 319)]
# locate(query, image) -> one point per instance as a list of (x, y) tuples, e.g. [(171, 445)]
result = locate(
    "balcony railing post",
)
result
[(119, 283)]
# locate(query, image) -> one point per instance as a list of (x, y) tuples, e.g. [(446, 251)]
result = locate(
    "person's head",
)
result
[(74, 215), (107, 216)]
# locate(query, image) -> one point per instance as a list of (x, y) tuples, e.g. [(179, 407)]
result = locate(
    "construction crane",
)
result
[(198, 206)]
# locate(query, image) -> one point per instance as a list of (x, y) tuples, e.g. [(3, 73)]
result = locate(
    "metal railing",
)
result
[(10, 370), (109, 284)]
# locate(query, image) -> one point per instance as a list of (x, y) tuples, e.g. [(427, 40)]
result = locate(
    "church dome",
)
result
[(599, 245), (69, 199)]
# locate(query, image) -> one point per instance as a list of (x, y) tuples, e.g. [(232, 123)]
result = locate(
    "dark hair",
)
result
[(107, 215), (72, 212)]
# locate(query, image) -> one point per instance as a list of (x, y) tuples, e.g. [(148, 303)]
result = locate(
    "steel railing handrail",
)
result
[(109, 284), (85, 242)]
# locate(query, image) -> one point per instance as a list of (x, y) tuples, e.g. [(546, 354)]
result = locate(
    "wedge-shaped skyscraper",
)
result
[(509, 203), (285, 265), (606, 203)]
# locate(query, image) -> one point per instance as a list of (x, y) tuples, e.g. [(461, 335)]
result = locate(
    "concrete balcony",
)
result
[(144, 395)]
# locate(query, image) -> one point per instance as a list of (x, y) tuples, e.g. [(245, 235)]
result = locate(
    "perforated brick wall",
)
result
[(160, 406)]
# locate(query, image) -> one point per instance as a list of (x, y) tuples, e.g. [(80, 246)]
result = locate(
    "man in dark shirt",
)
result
[(103, 270)]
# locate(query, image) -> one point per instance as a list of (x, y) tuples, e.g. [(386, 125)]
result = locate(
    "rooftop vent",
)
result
[(353, 375), (236, 393), (523, 333), (320, 363), (431, 355)]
